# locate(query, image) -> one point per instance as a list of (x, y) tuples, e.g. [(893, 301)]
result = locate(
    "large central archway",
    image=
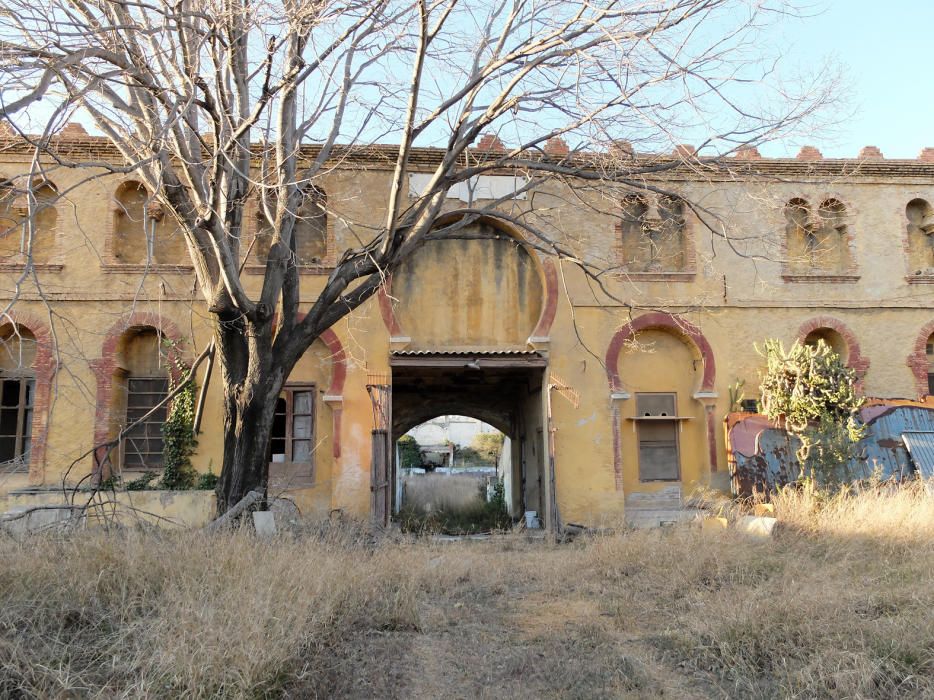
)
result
[(503, 389)]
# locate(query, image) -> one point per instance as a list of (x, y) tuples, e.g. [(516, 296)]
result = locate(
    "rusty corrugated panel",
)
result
[(921, 448), (762, 456)]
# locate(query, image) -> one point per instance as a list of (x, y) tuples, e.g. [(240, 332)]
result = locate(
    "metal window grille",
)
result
[(16, 411), (143, 444)]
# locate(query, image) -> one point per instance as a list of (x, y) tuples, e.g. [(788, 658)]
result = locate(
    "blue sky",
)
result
[(886, 52), (886, 57)]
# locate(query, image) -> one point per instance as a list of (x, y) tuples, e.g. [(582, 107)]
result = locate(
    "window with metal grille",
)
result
[(293, 428), (657, 432), (142, 446), (16, 407)]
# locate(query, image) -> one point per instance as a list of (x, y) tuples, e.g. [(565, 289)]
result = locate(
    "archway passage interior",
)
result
[(503, 389)]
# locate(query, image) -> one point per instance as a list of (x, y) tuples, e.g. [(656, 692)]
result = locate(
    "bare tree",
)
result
[(214, 102)]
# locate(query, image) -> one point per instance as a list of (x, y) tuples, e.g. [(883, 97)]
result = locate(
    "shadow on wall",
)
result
[(761, 456)]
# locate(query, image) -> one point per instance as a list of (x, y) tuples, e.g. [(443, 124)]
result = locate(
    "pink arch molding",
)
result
[(688, 332), (660, 321)]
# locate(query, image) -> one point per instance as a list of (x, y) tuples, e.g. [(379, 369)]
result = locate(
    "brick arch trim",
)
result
[(855, 360), (338, 362), (103, 369), (44, 366), (335, 393), (918, 361), (680, 327)]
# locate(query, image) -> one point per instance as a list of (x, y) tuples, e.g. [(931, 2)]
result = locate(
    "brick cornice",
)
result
[(662, 166)]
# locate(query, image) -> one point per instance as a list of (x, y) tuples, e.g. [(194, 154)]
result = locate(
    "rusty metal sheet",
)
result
[(762, 456), (921, 448)]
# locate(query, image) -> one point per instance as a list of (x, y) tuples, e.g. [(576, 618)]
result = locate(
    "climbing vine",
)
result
[(814, 394), (178, 435)]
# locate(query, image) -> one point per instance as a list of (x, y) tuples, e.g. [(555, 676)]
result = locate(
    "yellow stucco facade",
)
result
[(485, 325)]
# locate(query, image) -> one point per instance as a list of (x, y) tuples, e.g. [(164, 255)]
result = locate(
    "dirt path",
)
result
[(516, 644)]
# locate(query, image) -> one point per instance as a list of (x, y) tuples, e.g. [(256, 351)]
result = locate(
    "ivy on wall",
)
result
[(178, 435)]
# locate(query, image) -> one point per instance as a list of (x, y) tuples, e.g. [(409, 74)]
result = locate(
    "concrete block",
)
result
[(265, 523), (712, 524), (757, 526), (38, 520)]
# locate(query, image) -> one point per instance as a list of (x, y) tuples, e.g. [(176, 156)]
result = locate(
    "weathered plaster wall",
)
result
[(472, 295)]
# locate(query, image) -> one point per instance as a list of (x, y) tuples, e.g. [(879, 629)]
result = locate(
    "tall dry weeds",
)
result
[(838, 604)]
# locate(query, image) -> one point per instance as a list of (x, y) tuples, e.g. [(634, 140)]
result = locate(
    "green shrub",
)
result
[(206, 482), (814, 395), (489, 446), (142, 482), (410, 454)]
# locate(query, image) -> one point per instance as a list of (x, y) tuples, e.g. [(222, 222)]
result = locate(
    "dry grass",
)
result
[(839, 604)]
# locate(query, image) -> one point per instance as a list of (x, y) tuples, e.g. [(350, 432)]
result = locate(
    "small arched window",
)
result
[(832, 338), (28, 221), (920, 224), (144, 233), (817, 240), (652, 228), (17, 395), (311, 227), (310, 237), (142, 380)]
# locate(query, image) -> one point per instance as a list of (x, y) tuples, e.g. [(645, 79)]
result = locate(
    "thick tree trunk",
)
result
[(248, 420), (252, 383)]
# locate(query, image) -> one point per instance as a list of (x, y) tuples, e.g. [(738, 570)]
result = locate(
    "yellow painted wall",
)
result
[(737, 296)]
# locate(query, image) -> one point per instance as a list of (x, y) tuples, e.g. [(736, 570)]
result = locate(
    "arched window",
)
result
[(652, 229), (28, 220), (830, 249), (141, 382), (143, 233), (310, 237), (920, 216), (832, 338), (798, 235), (17, 395), (817, 240), (311, 227)]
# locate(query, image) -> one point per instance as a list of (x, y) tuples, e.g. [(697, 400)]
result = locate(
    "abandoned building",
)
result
[(613, 395)]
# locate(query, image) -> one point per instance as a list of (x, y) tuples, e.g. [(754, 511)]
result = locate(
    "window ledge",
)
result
[(113, 267), (8, 266), (816, 278), (668, 418), (688, 276), (920, 279)]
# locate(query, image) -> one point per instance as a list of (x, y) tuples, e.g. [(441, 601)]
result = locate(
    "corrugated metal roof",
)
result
[(465, 353), (921, 448)]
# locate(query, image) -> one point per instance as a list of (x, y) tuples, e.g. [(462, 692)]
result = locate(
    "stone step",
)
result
[(660, 517)]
